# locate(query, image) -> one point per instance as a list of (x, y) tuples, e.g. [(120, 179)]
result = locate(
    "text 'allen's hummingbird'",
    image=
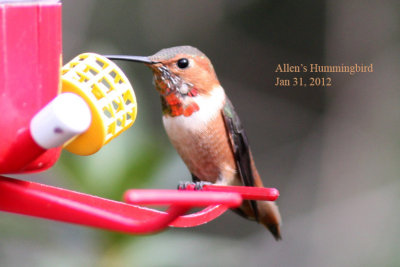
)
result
[(203, 126)]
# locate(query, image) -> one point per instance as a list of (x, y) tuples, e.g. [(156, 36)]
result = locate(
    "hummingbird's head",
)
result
[(184, 78), (183, 70)]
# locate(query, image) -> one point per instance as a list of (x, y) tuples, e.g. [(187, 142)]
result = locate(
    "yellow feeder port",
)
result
[(109, 95)]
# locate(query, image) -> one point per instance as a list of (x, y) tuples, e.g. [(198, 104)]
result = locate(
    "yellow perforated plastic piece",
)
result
[(109, 95)]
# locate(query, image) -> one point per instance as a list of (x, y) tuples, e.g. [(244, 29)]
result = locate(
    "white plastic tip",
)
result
[(63, 118)]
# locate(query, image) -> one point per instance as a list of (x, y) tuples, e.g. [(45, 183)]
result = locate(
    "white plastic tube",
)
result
[(63, 118)]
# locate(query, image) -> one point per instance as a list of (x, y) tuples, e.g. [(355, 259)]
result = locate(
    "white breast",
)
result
[(199, 143)]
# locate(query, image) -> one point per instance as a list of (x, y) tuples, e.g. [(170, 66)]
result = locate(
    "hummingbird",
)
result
[(204, 128)]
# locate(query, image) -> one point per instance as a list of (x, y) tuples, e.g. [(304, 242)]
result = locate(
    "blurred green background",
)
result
[(332, 152)]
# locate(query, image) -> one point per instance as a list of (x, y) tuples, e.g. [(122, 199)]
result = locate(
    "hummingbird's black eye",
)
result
[(183, 63)]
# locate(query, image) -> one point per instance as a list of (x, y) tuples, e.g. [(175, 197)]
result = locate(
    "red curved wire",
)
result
[(38, 200), (34, 199), (208, 214), (198, 218)]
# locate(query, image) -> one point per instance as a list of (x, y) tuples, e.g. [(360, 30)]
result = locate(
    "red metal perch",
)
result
[(43, 201)]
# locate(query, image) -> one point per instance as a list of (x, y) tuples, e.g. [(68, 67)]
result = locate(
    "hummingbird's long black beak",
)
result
[(140, 59)]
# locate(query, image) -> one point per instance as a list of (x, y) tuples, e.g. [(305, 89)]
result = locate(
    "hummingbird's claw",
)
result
[(197, 185), (184, 185)]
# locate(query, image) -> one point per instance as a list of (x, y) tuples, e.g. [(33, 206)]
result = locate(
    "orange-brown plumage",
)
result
[(206, 152)]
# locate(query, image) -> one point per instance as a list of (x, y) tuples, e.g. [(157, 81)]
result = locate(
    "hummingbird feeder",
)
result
[(80, 107)]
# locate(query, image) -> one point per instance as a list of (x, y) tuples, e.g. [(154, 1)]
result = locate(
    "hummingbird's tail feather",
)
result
[(268, 211), (268, 215), (276, 231)]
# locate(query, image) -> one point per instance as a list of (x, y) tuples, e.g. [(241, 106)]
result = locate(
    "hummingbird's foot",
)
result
[(184, 185), (197, 185)]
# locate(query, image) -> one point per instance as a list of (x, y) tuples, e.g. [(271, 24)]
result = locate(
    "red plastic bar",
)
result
[(58, 204), (185, 198), (247, 192)]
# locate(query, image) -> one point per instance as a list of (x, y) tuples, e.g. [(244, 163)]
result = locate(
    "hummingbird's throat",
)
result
[(176, 94), (173, 105)]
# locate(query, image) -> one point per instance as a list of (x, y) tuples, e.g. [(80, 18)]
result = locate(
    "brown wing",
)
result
[(240, 148)]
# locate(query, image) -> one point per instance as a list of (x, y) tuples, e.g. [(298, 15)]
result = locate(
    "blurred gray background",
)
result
[(332, 152)]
